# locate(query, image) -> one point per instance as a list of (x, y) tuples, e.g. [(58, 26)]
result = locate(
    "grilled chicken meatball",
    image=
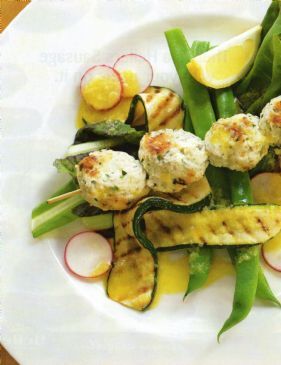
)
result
[(270, 122), (111, 180), (236, 142), (172, 159)]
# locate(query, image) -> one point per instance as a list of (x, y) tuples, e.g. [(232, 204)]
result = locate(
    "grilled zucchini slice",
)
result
[(133, 277), (171, 225), (229, 226), (156, 108), (131, 281)]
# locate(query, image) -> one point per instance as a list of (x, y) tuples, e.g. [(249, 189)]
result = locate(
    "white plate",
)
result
[(49, 317)]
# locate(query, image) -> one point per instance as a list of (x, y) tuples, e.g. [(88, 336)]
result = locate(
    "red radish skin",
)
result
[(102, 69), (109, 254), (139, 64), (267, 261)]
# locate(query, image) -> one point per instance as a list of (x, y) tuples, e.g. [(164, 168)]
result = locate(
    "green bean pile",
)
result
[(228, 187)]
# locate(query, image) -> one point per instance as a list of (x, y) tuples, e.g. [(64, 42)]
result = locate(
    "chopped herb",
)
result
[(115, 188), (124, 173)]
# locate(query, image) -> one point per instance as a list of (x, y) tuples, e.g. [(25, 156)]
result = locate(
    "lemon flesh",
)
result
[(226, 64)]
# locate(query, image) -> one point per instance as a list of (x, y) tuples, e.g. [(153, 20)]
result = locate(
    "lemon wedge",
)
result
[(227, 63)]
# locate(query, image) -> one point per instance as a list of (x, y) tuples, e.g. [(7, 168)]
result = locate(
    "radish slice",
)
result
[(88, 255), (136, 72), (266, 188), (271, 253), (101, 87)]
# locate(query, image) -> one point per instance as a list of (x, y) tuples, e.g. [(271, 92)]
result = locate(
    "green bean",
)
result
[(187, 123), (195, 95), (245, 260), (225, 103), (199, 47), (239, 182), (199, 102), (218, 181), (200, 260), (240, 187), (241, 194), (202, 115), (264, 291), (181, 55), (246, 263)]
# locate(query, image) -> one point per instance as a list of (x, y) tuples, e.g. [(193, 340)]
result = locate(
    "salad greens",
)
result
[(67, 164), (269, 163), (274, 87), (270, 17), (108, 129)]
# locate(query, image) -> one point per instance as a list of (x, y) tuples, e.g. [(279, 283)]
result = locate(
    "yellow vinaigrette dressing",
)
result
[(120, 112), (173, 272), (273, 245)]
